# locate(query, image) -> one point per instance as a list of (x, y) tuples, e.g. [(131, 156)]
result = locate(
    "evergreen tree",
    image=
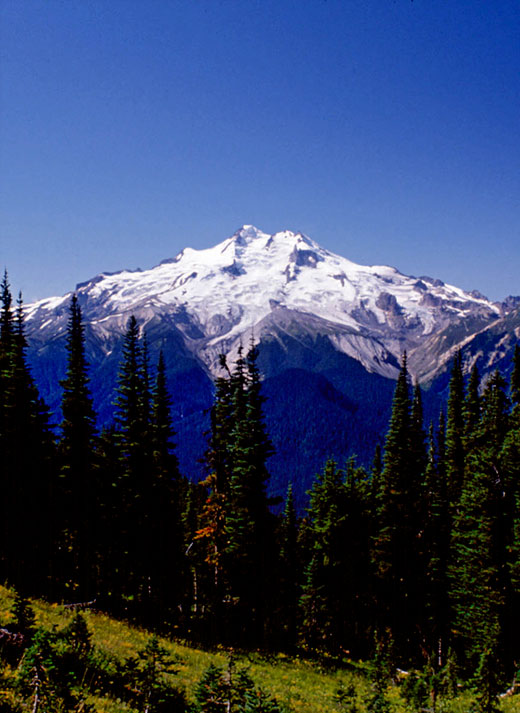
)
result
[(417, 435), (237, 530), (148, 674), (23, 613), (454, 432), (510, 469), (495, 415), (163, 433), (166, 546), (479, 586), (515, 379), (6, 370), (436, 547), (249, 525), (396, 551), (376, 480), (232, 690), (27, 449), (289, 577), (131, 415), (76, 457), (471, 409), (133, 438), (148, 563), (333, 613), (210, 537)]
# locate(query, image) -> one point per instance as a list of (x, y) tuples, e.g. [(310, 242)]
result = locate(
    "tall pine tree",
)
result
[(77, 466), (396, 549)]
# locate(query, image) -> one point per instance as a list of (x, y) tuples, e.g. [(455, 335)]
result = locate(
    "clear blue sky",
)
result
[(387, 130)]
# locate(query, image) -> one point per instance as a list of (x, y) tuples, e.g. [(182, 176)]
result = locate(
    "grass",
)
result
[(300, 685)]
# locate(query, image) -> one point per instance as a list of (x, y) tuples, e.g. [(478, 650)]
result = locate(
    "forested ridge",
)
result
[(414, 564)]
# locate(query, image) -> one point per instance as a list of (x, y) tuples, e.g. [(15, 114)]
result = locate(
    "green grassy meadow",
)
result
[(299, 685)]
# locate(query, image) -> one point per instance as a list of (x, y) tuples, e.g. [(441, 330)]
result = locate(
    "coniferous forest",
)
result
[(413, 564)]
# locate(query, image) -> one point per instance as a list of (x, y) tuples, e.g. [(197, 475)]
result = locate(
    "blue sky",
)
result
[(387, 130)]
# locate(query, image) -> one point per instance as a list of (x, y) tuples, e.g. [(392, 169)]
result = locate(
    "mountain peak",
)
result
[(214, 295), (248, 232)]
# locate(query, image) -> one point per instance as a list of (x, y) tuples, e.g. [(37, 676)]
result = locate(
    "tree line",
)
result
[(416, 560)]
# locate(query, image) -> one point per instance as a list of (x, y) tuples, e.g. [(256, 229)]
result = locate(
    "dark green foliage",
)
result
[(376, 490), (486, 683), (60, 669), (334, 616), (417, 435), (495, 415), (288, 576), (436, 544), (77, 521), (322, 612), (515, 378), (471, 409), (454, 432), (415, 690), (51, 671), (237, 527), (164, 506), (381, 674), (210, 691), (132, 418), (146, 562), (231, 691), (424, 688), (248, 520), (147, 677), (78, 636), (27, 449), (162, 429), (23, 614), (477, 588), (346, 698), (396, 549)]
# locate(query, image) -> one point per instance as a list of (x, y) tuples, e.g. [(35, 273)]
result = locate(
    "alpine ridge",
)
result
[(244, 285)]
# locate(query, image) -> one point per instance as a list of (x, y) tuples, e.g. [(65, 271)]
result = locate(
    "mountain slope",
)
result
[(214, 297), (315, 315)]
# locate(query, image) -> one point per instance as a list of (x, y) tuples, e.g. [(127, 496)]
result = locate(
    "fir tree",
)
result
[(133, 438), (76, 456), (289, 576), (477, 567), (248, 522), (6, 372), (165, 552), (334, 617), (486, 683), (417, 435), (396, 553), (509, 461), (237, 527), (515, 379), (376, 480), (210, 537), (471, 409), (23, 613), (436, 543), (454, 432), (27, 448), (131, 415)]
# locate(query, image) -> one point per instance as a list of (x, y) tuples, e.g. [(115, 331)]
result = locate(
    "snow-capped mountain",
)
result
[(252, 282), (331, 334)]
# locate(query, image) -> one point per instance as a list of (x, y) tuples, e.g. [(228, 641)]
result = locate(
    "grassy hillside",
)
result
[(298, 685)]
